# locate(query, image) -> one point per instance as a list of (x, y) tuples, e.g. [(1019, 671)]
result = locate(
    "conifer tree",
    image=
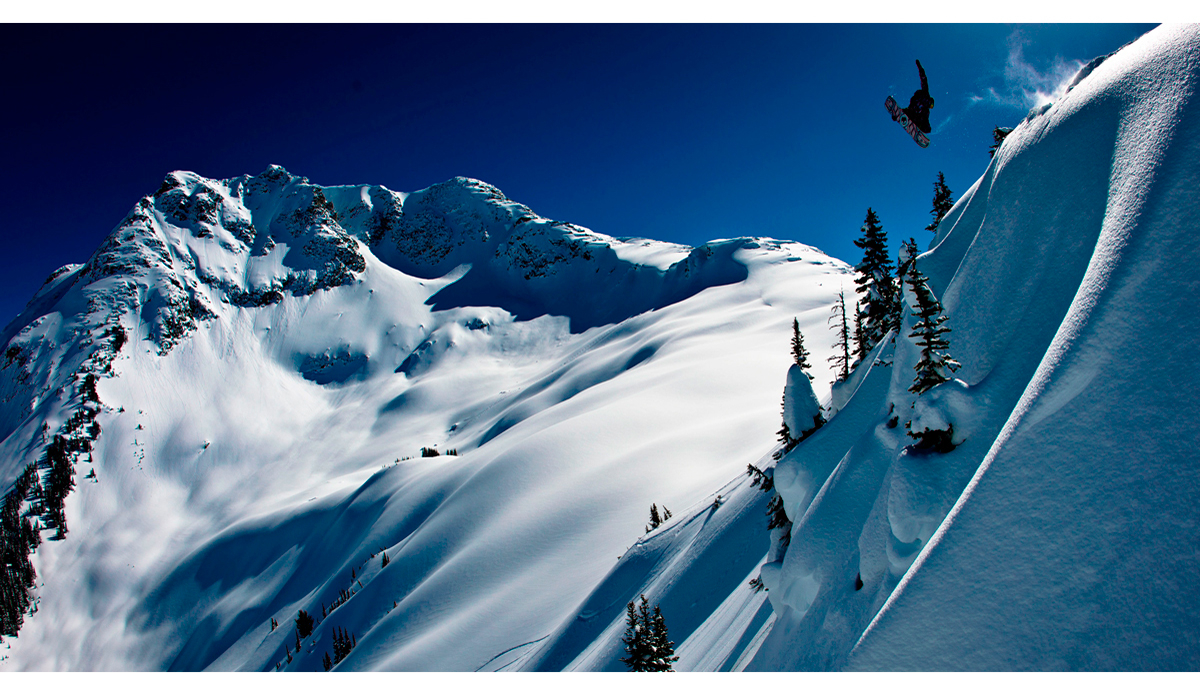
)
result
[(326, 662), (784, 433), (342, 644), (841, 347), (935, 363), (647, 645), (304, 624), (943, 200), (776, 516), (637, 647), (655, 519), (860, 341), (908, 255), (799, 354), (664, 648), (764, 480), (876, 281)]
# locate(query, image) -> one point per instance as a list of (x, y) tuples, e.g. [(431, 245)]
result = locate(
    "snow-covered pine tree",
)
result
[(876, 281), (935, 364), (647, 646), (841, 347), (943, 200), (637, 638), (664, 648), (908, 255), (799, 354)]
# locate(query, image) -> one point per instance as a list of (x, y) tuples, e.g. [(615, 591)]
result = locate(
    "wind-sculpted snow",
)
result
[(274, 358), (1058, 533)]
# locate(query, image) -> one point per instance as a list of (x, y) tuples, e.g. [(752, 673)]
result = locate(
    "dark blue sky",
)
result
[(678, 132)]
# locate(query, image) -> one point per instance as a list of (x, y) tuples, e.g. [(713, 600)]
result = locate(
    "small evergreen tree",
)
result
[(799, 354), (647, 646), (998, 136), (908, 255), (656, 519), (860, 340), (343, 643), (326, 662), (943, 200), (841, 347), (776, 516), (664, 648), (785, 437), (385, 561), (637, 649), (935, 363), (876, 281), (304, 624), (762, 479)]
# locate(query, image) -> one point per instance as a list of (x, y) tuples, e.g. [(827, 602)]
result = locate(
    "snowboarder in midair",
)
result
[(918, 107)]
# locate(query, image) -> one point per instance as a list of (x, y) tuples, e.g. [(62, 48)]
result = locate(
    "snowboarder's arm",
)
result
[(924, 84)]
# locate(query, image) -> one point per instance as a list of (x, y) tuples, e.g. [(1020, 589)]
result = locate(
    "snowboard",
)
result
[(900, 117)]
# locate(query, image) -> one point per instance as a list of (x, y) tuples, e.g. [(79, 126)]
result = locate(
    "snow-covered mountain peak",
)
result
[(245, 363)]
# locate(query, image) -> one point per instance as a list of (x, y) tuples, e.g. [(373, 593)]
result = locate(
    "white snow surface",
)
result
[(1061, 533), (292, 348)]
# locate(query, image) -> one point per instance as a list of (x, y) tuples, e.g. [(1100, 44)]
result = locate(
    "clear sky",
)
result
[(680, 132)]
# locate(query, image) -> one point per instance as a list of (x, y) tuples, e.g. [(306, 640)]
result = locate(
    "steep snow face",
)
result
[(288, 350), (1061, 531)]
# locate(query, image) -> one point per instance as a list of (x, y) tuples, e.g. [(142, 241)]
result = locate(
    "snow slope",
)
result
[(292, 348), (1061, 532)]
